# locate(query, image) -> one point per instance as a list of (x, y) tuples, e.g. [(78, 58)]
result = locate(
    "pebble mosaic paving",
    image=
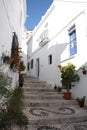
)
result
[(48, 112)]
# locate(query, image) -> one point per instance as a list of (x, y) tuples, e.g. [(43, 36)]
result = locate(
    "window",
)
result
[(32, 64), (50, 59), (28, 66), (73, 44)]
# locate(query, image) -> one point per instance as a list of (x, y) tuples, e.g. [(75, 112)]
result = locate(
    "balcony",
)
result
[(43, 39)]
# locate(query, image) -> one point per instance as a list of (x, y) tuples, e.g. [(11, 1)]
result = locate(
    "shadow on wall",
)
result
[(50, 73), (80, 89), (56, 49)]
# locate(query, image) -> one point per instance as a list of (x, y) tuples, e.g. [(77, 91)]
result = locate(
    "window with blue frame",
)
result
[(73, 43)]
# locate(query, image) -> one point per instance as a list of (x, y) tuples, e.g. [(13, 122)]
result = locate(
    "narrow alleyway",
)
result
[(47, 110)]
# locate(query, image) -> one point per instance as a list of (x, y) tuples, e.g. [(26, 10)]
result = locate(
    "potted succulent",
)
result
[(81, 101), (68, 75)]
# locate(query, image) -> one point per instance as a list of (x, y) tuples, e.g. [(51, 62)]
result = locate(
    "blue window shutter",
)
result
[(73, 44)]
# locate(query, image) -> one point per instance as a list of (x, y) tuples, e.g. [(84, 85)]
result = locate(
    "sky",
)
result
[(35, 10)]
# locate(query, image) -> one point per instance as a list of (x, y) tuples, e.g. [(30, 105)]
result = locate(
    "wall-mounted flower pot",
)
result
[(84, 72), (81, 101), (67, 95)]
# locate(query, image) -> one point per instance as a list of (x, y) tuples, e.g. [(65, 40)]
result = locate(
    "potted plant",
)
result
[(11, 113), (81, 101), (68, 75), (21, 80), (21, 68), (14, 116), (83, 70), (59, 89), (55, 87)]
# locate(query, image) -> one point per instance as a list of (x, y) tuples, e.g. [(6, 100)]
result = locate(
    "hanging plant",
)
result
[(15, 54)]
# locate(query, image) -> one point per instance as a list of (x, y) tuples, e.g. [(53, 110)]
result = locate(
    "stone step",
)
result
[(42, 97), (53, 93), (37, 89), (36, 85), (34, 81), (50, 92), (46, 108), (47, 102)]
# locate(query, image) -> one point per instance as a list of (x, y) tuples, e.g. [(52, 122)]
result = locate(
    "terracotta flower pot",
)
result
[(11, 110), (67, 95), (84, 72), (81, 103)]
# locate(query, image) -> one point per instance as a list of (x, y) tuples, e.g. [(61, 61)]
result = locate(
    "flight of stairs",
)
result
[(47, 109)]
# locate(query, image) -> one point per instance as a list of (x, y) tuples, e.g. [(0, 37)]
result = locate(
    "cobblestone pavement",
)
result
[(47, 110)]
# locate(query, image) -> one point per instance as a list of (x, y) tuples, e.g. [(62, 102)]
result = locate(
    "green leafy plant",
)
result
[(12, 114), (81, 101), (16, 99), (15, 107), (13, 118), (68, 75), (84, 71), (5, 82), (22, 66)]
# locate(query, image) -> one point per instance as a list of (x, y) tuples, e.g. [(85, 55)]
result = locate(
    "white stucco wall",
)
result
[(12, 15), (12, 18), (25, 37), (59, 19)]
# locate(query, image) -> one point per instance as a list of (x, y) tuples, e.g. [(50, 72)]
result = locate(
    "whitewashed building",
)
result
[(12, 18), (60, 37), (25, 37)]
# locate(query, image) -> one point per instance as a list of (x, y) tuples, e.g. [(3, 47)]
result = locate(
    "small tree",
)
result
[(68, 75)]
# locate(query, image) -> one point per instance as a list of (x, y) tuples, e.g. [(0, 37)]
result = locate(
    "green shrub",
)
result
[(13, 115), (68, 75)]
